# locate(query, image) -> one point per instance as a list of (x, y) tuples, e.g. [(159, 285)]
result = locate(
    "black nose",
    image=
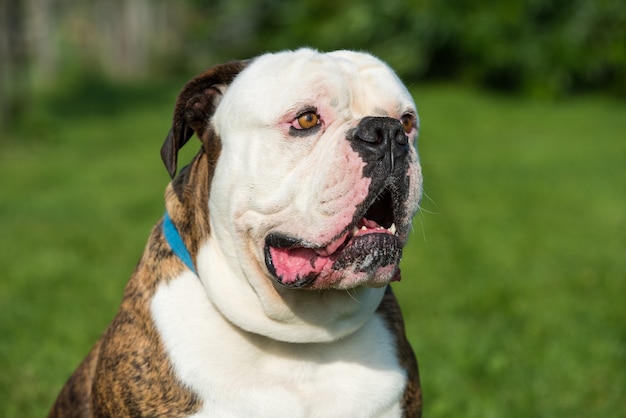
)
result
[(376, 138)]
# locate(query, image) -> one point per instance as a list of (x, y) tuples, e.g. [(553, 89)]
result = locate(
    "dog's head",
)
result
[(313, 175)]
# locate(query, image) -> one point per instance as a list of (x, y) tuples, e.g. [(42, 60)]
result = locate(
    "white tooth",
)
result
[(355, 229), (392, 229), (363, 228)]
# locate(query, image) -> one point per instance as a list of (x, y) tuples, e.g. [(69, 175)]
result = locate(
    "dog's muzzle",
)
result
[(371, 245)]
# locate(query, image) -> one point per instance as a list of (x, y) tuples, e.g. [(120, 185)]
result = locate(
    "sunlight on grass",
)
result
[(513, 294)]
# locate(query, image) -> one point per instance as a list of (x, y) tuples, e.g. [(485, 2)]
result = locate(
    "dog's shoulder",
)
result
[(389, 311)]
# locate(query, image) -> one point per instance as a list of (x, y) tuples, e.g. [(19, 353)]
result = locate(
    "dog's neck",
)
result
[(253, 302), (183, 205)]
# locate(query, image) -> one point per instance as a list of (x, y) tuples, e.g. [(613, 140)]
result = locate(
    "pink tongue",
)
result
[(294, 265)]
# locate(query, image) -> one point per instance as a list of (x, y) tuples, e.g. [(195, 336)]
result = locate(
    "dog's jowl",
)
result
[(264, 290)]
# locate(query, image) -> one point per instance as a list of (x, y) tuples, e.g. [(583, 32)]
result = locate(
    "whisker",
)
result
[(352, 296)]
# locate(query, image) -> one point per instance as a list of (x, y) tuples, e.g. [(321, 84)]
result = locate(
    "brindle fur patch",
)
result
[(127, 372), (389, 309)]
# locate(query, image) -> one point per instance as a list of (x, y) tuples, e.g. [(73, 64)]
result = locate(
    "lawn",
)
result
[(513, 283)]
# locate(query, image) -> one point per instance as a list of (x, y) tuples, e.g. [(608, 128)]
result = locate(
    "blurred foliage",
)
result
[(537, 47)]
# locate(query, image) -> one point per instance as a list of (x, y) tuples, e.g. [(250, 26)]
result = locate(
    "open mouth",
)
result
[(367, 244)]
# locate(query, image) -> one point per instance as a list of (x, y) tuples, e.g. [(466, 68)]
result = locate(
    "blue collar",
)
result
[(173, 238)]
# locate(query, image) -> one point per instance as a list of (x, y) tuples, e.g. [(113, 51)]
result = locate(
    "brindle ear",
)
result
[(195, 105)]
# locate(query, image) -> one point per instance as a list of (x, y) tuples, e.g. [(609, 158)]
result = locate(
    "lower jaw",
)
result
[(345, 280)]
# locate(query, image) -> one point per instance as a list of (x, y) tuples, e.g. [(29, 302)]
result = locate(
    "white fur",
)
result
[(245, 345), (239, 374), (306, 187)]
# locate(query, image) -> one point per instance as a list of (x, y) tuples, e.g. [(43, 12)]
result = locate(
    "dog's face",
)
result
[(317, 178)]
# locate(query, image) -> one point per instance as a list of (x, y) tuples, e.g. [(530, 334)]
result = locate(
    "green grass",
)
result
[(513, 282)]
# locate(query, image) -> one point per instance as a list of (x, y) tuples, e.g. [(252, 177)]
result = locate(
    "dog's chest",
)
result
[(239, 374)]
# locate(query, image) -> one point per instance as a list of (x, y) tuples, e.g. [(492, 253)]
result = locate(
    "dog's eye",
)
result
[(308, 120), (408, 122)]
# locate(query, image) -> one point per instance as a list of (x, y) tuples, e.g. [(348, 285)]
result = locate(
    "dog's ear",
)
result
[(195, 105)]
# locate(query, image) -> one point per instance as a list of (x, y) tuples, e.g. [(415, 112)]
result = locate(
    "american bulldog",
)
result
[(264, 290)]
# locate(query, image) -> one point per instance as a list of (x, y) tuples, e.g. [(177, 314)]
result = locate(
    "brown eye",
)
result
[(408, 122), (308, 120)]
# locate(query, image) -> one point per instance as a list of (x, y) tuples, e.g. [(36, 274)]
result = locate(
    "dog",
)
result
[(264, 290)]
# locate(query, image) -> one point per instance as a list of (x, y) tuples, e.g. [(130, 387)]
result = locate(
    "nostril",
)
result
[(370, 136), (380, 135), (401, 138)]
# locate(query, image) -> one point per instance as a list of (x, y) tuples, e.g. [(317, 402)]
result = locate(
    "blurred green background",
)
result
[(513, 282)]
